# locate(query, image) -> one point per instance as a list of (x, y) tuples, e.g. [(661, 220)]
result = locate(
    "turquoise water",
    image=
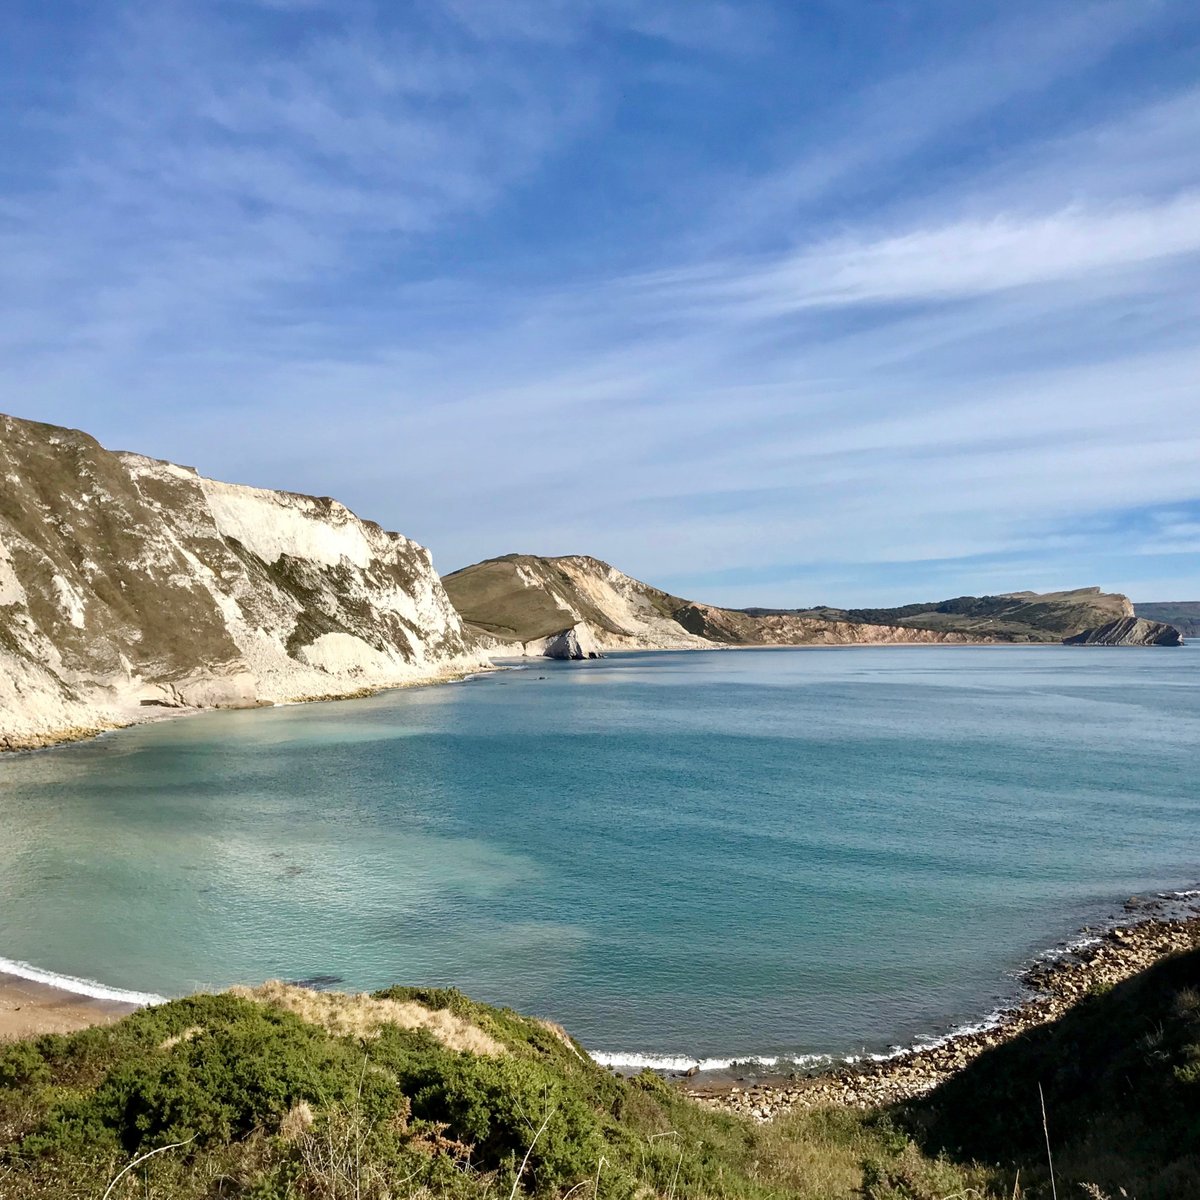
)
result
[(703, 855)]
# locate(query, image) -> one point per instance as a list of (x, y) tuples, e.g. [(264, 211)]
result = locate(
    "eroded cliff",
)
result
[(1127, 631), (520, 603), (127, 583), (523, 604)]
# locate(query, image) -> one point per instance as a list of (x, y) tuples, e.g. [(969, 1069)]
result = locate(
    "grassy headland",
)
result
[(279, 1092)]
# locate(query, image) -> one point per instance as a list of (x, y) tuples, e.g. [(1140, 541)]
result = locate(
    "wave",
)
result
[(79, 987), (640, 1060), (779, 1063), (1169, 904), (675, 1062)]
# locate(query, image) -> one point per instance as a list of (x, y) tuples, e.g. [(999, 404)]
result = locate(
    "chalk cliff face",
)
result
[(127, 583)]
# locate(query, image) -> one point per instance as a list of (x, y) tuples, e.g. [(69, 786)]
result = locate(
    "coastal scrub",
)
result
[(239, 1095)]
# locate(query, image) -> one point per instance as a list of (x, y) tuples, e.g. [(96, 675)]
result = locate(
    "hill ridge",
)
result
[(527, 604)]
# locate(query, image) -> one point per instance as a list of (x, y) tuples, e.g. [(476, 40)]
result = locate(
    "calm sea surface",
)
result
[(706, 855)]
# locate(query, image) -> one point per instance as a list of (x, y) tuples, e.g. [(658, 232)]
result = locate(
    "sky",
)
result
[(779, 303)]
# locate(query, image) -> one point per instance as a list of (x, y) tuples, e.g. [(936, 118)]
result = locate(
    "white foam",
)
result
[(797, 1062), (80, 987), (632, 1059)]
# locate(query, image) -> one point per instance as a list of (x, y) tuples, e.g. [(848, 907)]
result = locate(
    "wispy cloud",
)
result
[(961, 259), (486, 272)]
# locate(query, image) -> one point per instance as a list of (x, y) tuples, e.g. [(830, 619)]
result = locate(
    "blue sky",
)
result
[(777, 303)]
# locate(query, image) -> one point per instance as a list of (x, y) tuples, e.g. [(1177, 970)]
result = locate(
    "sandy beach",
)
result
[(28, 1009)]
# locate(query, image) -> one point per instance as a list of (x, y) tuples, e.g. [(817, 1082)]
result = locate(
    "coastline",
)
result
[(32, 743), (35, 1002), (1056, 980), (30, 1008), (29, 743)]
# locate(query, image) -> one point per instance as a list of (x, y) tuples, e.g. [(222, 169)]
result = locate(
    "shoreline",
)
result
[(1154, 927), (36, 743), (34, 1001), (33, 743), (30, 1008)]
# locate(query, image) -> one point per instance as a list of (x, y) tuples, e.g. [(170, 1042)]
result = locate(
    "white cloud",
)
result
[(965, 258), (972, 372)]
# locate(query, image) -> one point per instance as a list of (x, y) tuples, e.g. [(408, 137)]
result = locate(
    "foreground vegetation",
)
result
[(410, 1093), (1113, 1085)]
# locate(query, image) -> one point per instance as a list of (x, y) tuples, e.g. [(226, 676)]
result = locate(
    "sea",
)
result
[(752, 856)]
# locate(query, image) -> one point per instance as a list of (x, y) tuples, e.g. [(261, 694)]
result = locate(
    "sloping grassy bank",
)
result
[(279, 1092), (283, 1093), (1119, 1076)]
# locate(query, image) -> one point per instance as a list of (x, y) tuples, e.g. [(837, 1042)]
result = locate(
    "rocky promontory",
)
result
[(1128, 631), (528, 605)]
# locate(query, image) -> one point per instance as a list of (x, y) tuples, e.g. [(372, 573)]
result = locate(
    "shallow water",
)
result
[(708, 855)]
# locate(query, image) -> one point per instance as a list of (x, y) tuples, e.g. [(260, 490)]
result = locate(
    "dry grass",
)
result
[(559, 1032), (184, 1036), (360, 1015), (335, 1166), (297, 1121)]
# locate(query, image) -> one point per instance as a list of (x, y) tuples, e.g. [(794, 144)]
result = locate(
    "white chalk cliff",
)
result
[(127, 584)]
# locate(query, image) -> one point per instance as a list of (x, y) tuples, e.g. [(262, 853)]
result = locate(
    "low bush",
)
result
[(264, 1096)]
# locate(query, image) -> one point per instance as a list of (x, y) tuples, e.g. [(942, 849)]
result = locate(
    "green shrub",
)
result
[(507, 1108), (242, 1069), (22, 1065)]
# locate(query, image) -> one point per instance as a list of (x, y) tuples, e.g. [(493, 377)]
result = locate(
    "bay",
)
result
[(704, 855)]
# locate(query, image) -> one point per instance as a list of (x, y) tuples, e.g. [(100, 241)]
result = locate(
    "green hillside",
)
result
[(1015, 617), (521, 597), (408, 1093), (405, 1094), (1120, 1078)]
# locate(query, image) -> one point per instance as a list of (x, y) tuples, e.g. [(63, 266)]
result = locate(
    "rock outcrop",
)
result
[(1128, 631), (1009, 617), (574, 643), (128, 585), (725, 626), (521, 604), (1183, 614)]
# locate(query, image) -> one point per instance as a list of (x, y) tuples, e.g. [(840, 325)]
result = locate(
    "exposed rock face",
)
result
[(574, 643), (1128, 631), (732, 627), (129, 584), (1183, 614), (1011, 617), (520, 603)]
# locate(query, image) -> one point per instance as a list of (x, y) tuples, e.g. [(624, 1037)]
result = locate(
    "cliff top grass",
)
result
[(278, 1093)]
